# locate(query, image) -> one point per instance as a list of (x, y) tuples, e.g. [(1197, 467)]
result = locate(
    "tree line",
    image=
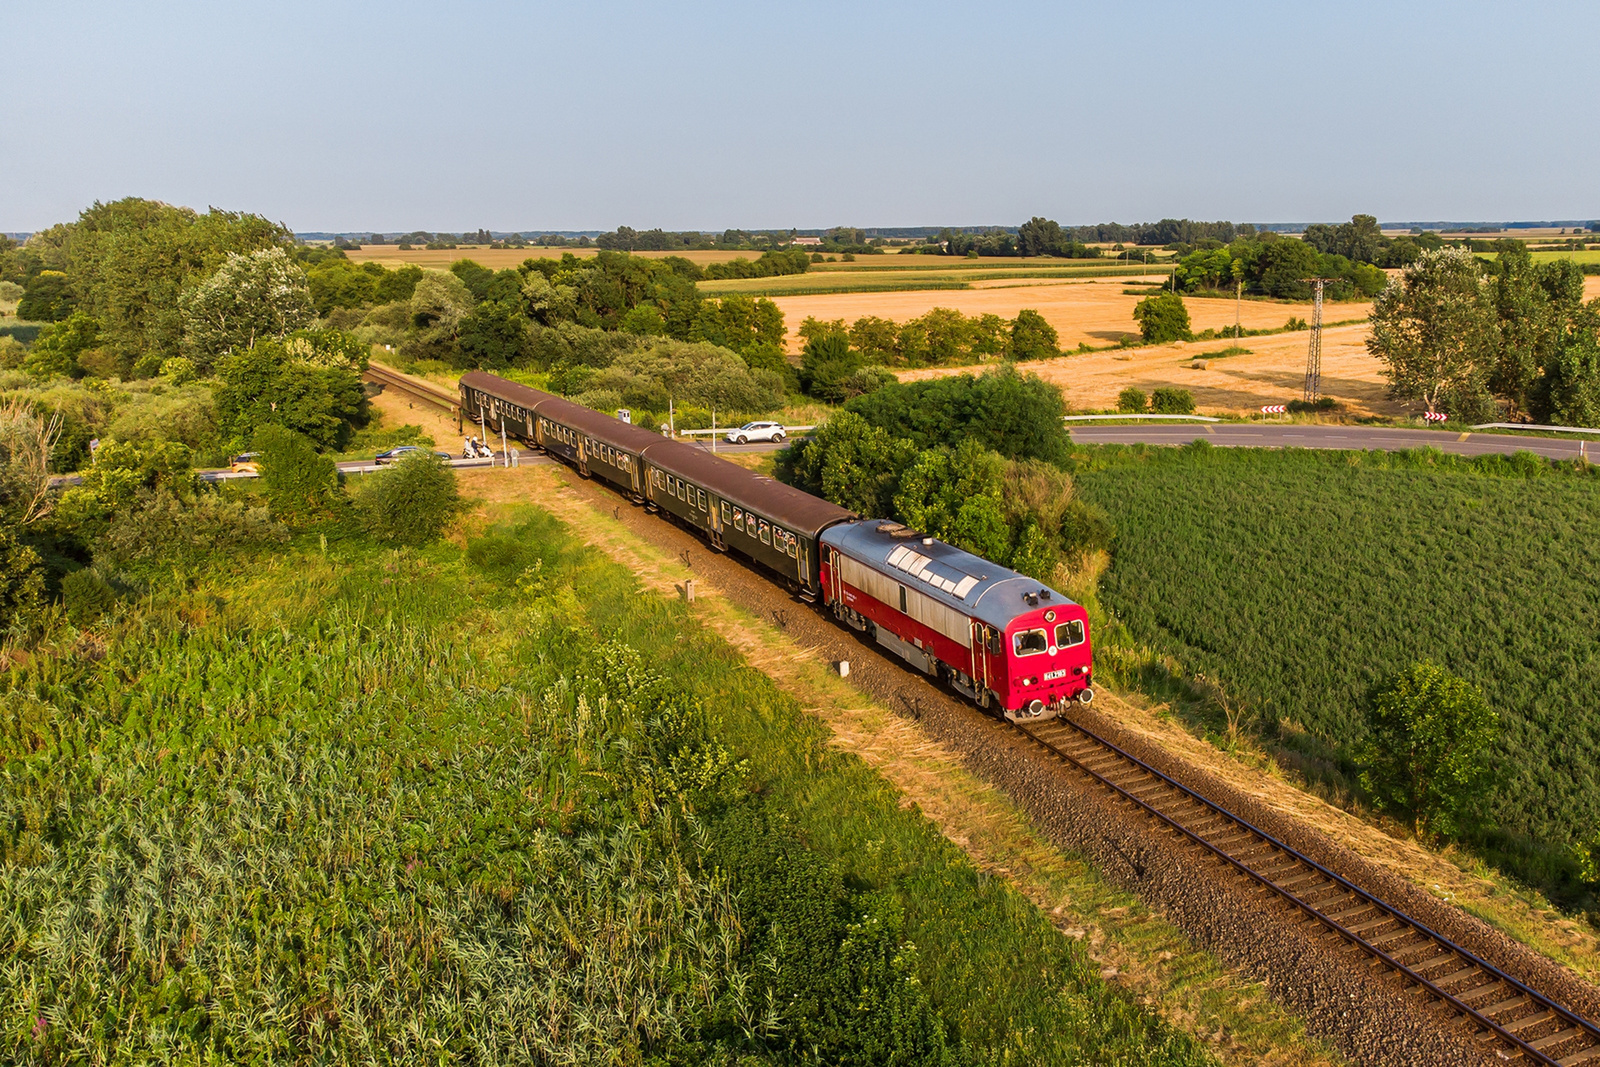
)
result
[(1509, 339), (839, 362)]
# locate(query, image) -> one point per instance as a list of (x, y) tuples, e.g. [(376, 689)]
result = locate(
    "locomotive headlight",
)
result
[(1050, 616)]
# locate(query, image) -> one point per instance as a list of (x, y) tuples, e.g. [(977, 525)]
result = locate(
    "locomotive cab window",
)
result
[(1069, 633), (1029, 642)]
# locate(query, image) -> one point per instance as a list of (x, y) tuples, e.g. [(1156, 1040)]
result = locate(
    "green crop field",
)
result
[(488, 803), (1299, 579)]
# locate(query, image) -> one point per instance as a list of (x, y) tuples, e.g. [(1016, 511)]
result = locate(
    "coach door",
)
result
[(583, 456)]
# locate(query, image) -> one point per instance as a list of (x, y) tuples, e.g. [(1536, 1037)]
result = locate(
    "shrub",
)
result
[(1427, 756), (1032, 337), (411, 503), (162, 525), (21, 579), (1170, 401), (1162, 318), (298, 483), (88, 594), (1325, 403), (1132, 400)]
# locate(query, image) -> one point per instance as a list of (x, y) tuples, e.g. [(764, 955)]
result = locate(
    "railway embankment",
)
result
[(1336, 991)]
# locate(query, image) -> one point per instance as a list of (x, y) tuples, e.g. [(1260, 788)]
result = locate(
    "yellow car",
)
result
[(245, 463)]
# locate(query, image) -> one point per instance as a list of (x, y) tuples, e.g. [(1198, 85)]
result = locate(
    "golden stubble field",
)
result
[(1272, 373), (1094, 312)]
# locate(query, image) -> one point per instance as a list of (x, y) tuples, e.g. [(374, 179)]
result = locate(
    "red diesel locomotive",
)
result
[(1000, 638)]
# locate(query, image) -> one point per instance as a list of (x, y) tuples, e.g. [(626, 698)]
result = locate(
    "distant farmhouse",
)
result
[(806, 242)]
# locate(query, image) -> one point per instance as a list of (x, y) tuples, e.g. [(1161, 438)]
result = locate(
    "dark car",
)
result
[(405, 450)]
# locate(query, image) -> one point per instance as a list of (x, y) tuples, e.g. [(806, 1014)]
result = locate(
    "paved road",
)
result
[(1256, 435)]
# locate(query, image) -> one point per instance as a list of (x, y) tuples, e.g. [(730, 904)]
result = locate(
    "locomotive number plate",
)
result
[(1051, 676)]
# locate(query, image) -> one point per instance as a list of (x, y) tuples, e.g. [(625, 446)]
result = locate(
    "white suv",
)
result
[(756, 431)]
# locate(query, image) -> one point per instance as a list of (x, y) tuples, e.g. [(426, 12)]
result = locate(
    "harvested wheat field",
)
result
[(1093, 312), (1272, 373)]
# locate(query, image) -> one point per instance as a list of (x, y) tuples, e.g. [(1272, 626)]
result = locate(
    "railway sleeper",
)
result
[(1349, 911), (1584, 1056), (1527, 1022), (1361, 929), (1560, 1036), (1454, 976)]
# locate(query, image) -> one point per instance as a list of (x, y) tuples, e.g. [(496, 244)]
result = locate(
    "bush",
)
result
[(1325, 403), (162, 525), (1032, 337), (21, 580), (298, 483), (1427, 753), (1162, 318), (88, 594), (411, 503), (1170, 401), (1132, 400)]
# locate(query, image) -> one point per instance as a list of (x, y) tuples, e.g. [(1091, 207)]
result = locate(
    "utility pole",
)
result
[(1314, 353)]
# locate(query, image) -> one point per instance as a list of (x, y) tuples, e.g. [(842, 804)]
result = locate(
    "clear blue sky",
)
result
[(450, 116)]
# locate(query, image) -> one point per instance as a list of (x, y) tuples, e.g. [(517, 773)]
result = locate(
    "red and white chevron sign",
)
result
[(1435, 416), (1274, 409)]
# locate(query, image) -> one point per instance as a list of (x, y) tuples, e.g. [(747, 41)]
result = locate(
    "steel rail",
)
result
[(1559, 1011), (385, 376)]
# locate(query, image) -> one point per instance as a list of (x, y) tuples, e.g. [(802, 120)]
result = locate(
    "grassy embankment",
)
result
[(1295, 581), (482, 800)]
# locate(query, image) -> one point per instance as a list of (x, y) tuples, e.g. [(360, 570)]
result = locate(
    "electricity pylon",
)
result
[(1314, 354)]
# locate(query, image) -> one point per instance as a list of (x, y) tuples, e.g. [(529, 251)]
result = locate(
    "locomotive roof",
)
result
[(971, 584), (784, 504)]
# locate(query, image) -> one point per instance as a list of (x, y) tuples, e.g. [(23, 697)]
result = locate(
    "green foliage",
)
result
[(461, 810), (1132, 400), (955, 495), (1162, 318), (129, 262), (1426, 757), (1032, 337), (56, 352), (21, 581), (338, 283), (1434, 331), (1303, 577), (298, 482), (689, 373), (47, 298), (739, 322), (1172, 401), (851, 462), (251, 298), (178, 370), (271, 385), (1016, 415), (89, 593), (771, 264), (411, 503)]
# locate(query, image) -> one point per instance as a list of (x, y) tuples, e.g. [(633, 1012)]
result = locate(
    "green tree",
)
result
[(1426, 757), (850, 462), (411, 503), (55, 353), (1033, 338), (254, 296), (298, 482), (825, 363), (1435, 332), (1132, 400), (268, 386), (1162, 318), (956, 495), (131, 260), (47, 297)]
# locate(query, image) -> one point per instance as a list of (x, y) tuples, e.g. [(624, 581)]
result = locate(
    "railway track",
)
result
[(393, 379), (1510, 1019)]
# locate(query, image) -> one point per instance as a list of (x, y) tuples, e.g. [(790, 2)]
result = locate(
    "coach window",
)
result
[(1069, 633), (727, 512), (683, 490), (738, 519), (700, 498), (1029, 642), (766, 534)]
